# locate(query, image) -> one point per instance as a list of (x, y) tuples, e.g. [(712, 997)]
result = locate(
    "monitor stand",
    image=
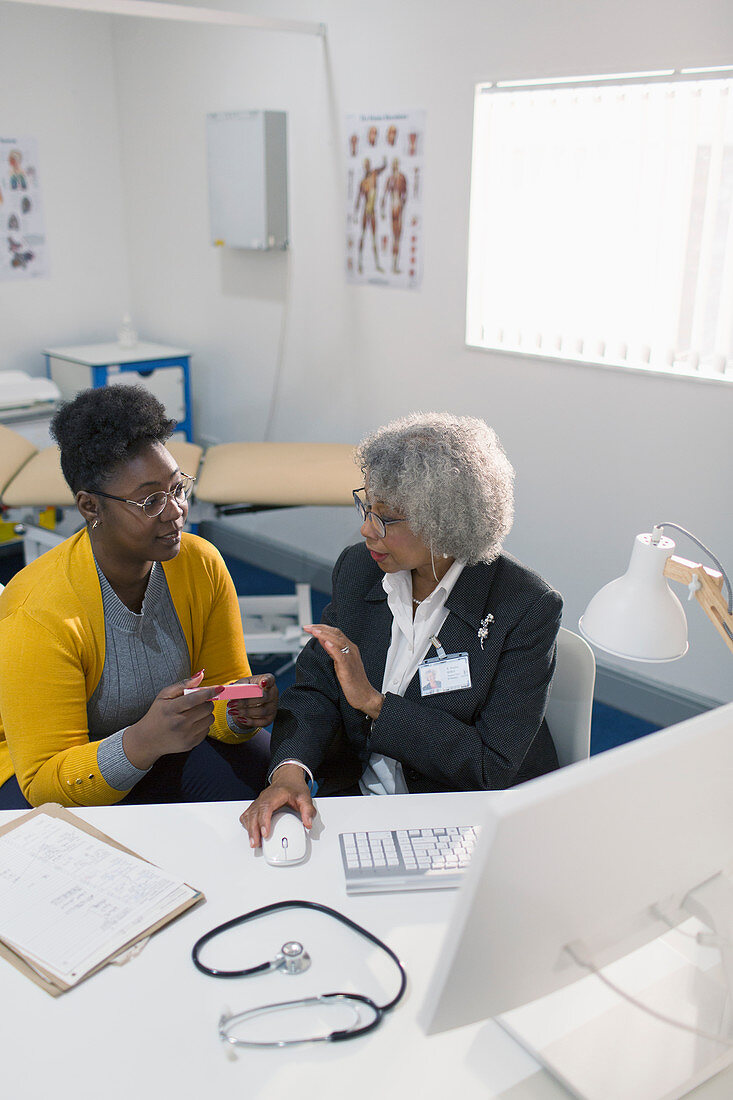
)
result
[(601, 1047)]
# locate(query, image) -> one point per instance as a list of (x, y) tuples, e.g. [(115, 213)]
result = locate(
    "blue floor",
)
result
[(609, 727)]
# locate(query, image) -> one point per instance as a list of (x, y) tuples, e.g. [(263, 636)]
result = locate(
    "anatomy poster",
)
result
[(384, 190), (22, 234)]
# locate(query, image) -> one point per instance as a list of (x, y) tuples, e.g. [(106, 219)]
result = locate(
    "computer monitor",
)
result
[(600, 856)]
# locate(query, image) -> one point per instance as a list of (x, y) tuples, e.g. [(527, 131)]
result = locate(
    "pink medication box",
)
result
[(234, 691)]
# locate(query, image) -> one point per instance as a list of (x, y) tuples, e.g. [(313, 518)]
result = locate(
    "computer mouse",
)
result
[(286, 843)]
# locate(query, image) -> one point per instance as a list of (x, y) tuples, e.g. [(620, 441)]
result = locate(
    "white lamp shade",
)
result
[(638, 616)]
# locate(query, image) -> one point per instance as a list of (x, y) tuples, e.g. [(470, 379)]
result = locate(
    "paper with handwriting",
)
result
[(69, 901)]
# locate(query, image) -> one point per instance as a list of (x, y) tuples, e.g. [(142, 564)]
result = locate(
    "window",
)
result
[(601, 225)]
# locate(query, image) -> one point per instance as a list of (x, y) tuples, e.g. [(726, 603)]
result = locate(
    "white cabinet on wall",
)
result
[(248, 185)]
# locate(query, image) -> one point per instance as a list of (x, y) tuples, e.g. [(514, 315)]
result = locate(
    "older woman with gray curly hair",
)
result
[(431, 667)]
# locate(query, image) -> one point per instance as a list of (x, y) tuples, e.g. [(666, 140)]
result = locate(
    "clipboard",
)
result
[(50, 982)]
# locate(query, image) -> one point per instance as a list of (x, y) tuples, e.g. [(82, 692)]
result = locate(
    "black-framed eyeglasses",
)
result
[(153, 505), (367, 512)]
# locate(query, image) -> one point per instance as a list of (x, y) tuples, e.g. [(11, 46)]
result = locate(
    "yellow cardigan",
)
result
[(52, 656)]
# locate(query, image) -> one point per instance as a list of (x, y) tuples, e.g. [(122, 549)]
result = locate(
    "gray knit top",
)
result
[(143, 654)]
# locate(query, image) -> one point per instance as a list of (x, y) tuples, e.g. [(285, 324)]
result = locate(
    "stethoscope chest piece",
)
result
[(293, 958)]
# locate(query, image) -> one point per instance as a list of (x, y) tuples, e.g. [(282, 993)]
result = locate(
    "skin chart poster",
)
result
[(22, 233), (384, 193)]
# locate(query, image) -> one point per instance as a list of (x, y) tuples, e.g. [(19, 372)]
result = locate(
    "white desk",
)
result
[(149, 1029)]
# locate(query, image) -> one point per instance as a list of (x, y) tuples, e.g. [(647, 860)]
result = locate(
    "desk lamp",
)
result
[(638, 616)]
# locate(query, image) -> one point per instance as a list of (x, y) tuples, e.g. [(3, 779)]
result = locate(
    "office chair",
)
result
[(571, 698)]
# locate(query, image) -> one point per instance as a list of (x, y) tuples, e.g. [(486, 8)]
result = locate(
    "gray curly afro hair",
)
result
[(449, 477)]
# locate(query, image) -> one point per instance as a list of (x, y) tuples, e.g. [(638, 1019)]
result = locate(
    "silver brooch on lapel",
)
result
[(483, 630)]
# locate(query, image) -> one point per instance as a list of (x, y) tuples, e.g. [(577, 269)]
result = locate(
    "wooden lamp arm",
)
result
[(708, 592)]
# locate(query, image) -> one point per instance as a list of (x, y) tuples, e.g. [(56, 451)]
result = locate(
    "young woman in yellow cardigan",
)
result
[(100, 636)]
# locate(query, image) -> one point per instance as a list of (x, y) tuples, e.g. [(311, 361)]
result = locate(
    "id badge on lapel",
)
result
[(447, 673)]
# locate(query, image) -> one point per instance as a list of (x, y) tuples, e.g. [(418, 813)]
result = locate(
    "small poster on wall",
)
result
[(22, 233), (384, 190)]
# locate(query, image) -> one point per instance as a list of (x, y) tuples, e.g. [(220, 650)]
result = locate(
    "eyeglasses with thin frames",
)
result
[(156, 503), (367, 512)]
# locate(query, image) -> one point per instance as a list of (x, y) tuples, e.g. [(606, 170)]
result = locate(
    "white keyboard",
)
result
[(390, 860)]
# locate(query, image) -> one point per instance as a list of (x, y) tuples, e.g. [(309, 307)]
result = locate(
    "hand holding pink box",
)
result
[(233, 691)]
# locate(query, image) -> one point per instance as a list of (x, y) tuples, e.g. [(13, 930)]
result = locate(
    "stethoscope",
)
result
[(294, 959)]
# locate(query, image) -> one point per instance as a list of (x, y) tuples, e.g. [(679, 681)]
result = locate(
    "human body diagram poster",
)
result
[(384, 192), (22, 233)]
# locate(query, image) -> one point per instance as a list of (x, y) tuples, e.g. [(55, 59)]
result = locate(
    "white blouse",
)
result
[(408, 648)]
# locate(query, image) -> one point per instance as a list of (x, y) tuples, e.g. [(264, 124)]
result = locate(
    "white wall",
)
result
[(599, 454), (57, 84)]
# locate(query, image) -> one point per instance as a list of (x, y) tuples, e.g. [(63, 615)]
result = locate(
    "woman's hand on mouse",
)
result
[(288, 788)]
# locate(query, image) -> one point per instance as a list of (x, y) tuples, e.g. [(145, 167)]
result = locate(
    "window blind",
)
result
[(601, 223)]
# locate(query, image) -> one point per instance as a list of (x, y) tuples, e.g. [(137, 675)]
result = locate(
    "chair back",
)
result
[(571, 698)]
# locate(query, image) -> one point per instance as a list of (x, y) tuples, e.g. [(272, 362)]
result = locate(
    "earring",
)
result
[(432, 562), (95, 525)]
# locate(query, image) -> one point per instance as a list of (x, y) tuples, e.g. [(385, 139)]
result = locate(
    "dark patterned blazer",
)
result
[(486, 737)]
